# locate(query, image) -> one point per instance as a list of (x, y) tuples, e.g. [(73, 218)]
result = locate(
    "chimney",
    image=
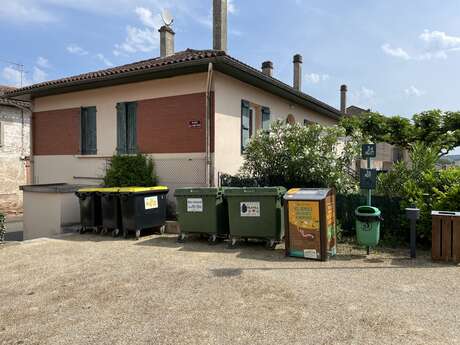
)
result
[(343, 99), (220, 25), (166, 41), (267, 68), (298, 72)]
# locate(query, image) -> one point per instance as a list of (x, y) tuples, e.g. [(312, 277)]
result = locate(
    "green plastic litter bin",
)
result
[(143, 208), (90, 209), (368, 225), (202, 211), (256, 213), (111, 210)]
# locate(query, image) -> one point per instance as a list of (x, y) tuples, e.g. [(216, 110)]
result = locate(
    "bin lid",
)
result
[(109, 190), (307, 194), (143, 189), (254, 191), (445, 213), (197, 191), (367, 211)]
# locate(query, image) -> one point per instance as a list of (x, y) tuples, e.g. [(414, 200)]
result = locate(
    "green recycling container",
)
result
[(143, 208), (202, 211), (90, 209), (111, 210), (368, 225), (256, 213)]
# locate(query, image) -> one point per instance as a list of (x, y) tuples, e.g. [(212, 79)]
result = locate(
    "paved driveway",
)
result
[(92, 290)]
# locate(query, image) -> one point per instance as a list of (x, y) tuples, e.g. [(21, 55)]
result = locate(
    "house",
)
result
[(387, 154), (193, 111), (454, 160), (14, 150)]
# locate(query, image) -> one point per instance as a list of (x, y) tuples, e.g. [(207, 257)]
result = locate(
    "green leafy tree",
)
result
[(302, 156), (130, 171)]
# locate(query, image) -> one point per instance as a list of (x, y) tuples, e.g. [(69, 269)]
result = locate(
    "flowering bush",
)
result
[(302, 156)]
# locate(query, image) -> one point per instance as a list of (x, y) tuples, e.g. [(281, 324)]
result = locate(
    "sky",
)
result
[(397, 57)]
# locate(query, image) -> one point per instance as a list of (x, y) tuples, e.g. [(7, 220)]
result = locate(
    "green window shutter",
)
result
[(91, 131), (121, 128), (265, 118), (131, 132), (245, 124), (83, 112)]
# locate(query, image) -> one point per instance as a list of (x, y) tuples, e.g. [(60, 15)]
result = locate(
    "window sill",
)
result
[(91, 156)]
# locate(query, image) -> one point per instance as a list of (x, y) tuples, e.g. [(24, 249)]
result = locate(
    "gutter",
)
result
[(209, 175)]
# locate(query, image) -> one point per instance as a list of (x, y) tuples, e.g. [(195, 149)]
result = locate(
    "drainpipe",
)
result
[(31, 147), (209, 177)]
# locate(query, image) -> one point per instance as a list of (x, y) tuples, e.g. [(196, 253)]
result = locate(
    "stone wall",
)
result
[(14, 147)]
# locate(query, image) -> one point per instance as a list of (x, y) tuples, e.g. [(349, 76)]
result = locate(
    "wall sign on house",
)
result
[(194, 124)]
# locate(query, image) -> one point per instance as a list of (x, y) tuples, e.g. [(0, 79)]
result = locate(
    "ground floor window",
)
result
[(253, 118)]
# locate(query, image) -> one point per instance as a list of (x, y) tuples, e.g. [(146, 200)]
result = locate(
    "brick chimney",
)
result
[(343, 99), (298, 72), (267, 68), (166, 41), (220, 25)]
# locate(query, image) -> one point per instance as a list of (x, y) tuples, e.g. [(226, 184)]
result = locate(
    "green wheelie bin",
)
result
[(368, 225), (111, 211), (202, 211), (90, 209), (256, 213), (143, 208)]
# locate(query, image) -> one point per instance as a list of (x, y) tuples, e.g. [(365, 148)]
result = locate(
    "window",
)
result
[(88, 131), (307, 122), (290, 120), (253, 118), (126, 128)]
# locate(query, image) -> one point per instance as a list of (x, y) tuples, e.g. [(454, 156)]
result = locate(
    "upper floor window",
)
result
[(88, 131), (253, 118), (290, 120), (126, 127)]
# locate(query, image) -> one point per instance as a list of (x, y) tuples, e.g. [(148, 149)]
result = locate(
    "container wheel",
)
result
[(212, 239), (125, 234), (162, 229), (181, 238), (138, 234), (271, 244), (233, 241), (82, 230), (115, 232)]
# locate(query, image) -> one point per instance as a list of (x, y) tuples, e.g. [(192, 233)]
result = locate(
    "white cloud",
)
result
[(24, 11), (106, 61), (363, 97), (43, 62), (315, 78), (77, 50), (396, 52), (143, 39), (437, 45), (231, 7), (39, 75), (413, 91)]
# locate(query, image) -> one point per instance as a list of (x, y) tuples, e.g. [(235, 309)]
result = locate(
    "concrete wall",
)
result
[(228, 95), (14, 145)]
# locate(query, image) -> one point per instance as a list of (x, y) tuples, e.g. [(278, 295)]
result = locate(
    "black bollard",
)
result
[(413, 214)]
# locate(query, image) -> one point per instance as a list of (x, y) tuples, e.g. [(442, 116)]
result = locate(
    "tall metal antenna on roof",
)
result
[(167, 17), (18, 67)]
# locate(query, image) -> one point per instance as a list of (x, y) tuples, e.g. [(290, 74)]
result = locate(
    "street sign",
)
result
[(194, 124), (368, 178), (369, 151)]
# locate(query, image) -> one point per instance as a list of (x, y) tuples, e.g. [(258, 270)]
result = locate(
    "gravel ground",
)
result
[(94, 290)]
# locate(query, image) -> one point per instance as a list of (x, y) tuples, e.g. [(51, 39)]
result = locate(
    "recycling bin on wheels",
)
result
[(143, 208), (111, 210), (310, 223), (255, 213), (368, 225), (202, 211), (90, 209)]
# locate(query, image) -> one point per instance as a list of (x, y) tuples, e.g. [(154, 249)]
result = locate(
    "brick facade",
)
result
[(163, 124), (56, 132)]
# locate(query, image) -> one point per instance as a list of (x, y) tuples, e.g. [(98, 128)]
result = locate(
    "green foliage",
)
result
[(434, 128), (130, 171), (301, 156), (2, 228)]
